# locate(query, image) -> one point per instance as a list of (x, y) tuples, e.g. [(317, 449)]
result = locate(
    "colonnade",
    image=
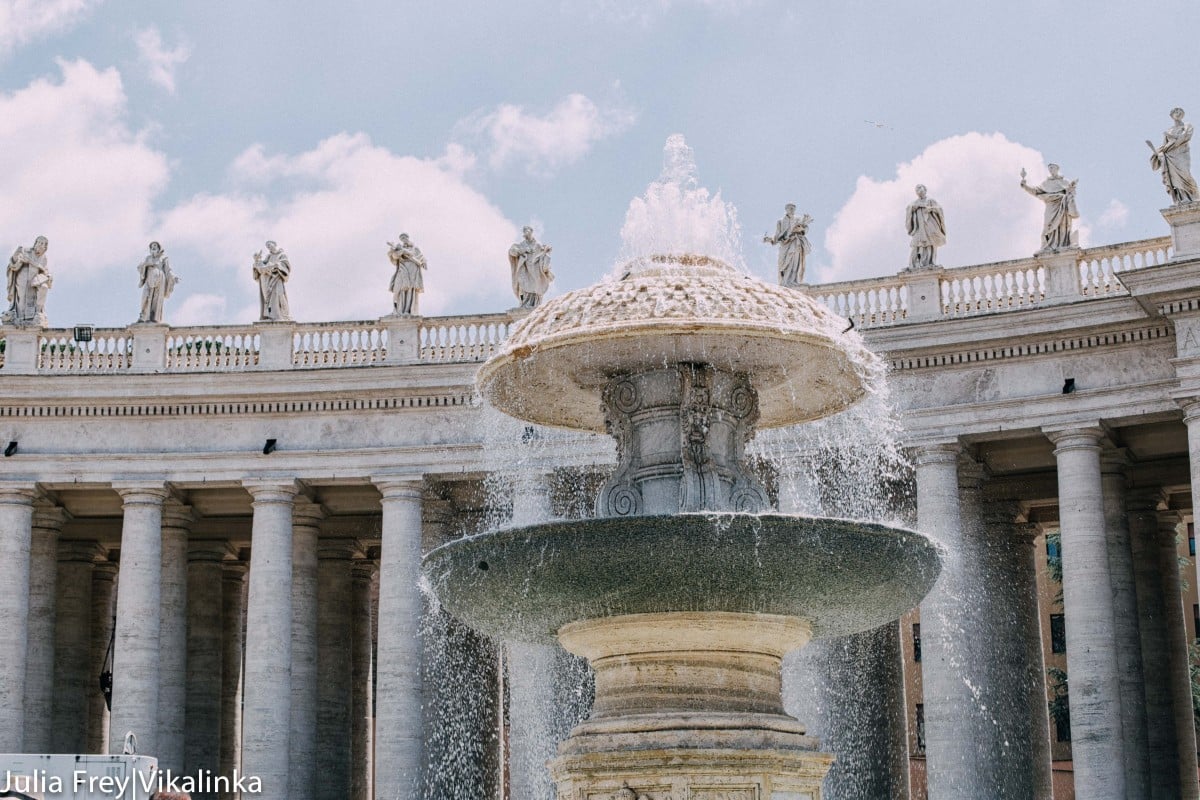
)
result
[(288, 701), (986, 726)]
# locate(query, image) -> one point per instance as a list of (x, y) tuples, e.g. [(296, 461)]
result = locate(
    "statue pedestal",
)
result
[(149, 346), (688, 704), (275, 345), (1185, 230), (1061, 274), (404, 338), (924, 293)]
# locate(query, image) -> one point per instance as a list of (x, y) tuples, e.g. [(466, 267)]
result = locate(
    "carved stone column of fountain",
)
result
[(682, 593)]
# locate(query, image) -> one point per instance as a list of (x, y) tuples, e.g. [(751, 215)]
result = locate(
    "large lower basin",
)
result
[(839, 576)]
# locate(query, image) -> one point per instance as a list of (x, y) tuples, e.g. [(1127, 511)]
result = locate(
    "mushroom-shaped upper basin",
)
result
[(676, 310), (840, 576)]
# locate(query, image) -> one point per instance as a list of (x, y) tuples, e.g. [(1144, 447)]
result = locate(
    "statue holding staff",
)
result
[(926, 225), (791, 236), (29, 281), (1174, 160), (272, 274), (407, 282), (1059, 196), (157, 282)]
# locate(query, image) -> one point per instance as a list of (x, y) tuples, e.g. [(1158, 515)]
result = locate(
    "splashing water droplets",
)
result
[(677, 216)]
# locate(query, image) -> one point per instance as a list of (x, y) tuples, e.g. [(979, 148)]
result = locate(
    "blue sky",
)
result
[(331, 127)]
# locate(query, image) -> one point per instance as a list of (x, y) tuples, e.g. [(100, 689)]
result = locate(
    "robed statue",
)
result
[(271, 274), (29, 281), (157, 282), (1059, 196), (791, 237), (531, 275), (926, 226), (1174, 160), (407, 281)]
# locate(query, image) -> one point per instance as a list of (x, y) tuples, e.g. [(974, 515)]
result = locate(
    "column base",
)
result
[(1184, 220)]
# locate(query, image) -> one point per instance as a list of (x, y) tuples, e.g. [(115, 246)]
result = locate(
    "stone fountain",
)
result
[(684, 592)]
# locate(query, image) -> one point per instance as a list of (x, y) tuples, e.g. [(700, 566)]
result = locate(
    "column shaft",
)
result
[(268, 685), (39, 660), (172, 638), (73, 648), (139, 595), (104, 576), (1125, 626), (202, 739), (363, 574), (1179, 657), (1097, 743), (335, 666), (233, 617), (302, 780), (398, 734), (16, 526)]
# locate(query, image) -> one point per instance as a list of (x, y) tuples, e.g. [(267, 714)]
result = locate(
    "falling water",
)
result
[(677, 216)]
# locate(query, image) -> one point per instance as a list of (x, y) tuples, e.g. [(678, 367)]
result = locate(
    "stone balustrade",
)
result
[(871, 303)]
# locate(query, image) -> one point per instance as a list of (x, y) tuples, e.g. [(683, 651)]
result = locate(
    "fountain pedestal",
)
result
[(688, 705)]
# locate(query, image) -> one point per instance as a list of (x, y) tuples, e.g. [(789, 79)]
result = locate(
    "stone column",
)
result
[(233, 616), (39, 660), (1125, 621), (1180, 660), (335, 666), (16, 531), (1014, 698), (1191, 416), (1162, 741), (202, 739), (73, 649), (398, 734), (1097, 744), (268, 685), (139, 595), (362, 576), (302, 747), (172, 637), (104, 576), (533, 705), (849, 690), (955, 756)]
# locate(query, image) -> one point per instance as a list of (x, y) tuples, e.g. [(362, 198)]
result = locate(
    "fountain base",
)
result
[(688, 704)]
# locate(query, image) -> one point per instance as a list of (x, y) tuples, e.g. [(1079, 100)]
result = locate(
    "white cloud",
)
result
[(24, 21), (333, 209), (76, 171), (198, 309), (545, 143), (1114, 216), (160, 61), (975, 177), (645, 12)]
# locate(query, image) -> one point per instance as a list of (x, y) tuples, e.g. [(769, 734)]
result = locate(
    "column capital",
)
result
[(265, 490), (971, 473), (399, 487), (1114, 460), (363, 569), (104, 570), (49, 516), (142, 493), (1191, 408), (234, 571), (1080, 437), (937, 453), (1145, 499), (80, 552), (177, 515), (338, 548), (1004, 512), (19, 493), (1169, 520), (213, 550), (307, 514)]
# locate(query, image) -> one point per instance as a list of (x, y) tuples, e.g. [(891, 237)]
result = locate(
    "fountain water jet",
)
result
[(682, 593)]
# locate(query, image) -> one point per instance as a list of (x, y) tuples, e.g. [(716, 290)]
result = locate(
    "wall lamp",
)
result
[(269, 447), (11, 449), (1069, 386)]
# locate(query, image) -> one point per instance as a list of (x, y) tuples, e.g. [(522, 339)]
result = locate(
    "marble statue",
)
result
[(156, 282), (926, 225), (1059, 196), (29, 280), (272, 274), (790, 235), (1174, 160), (531, 275), (407, 282)]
